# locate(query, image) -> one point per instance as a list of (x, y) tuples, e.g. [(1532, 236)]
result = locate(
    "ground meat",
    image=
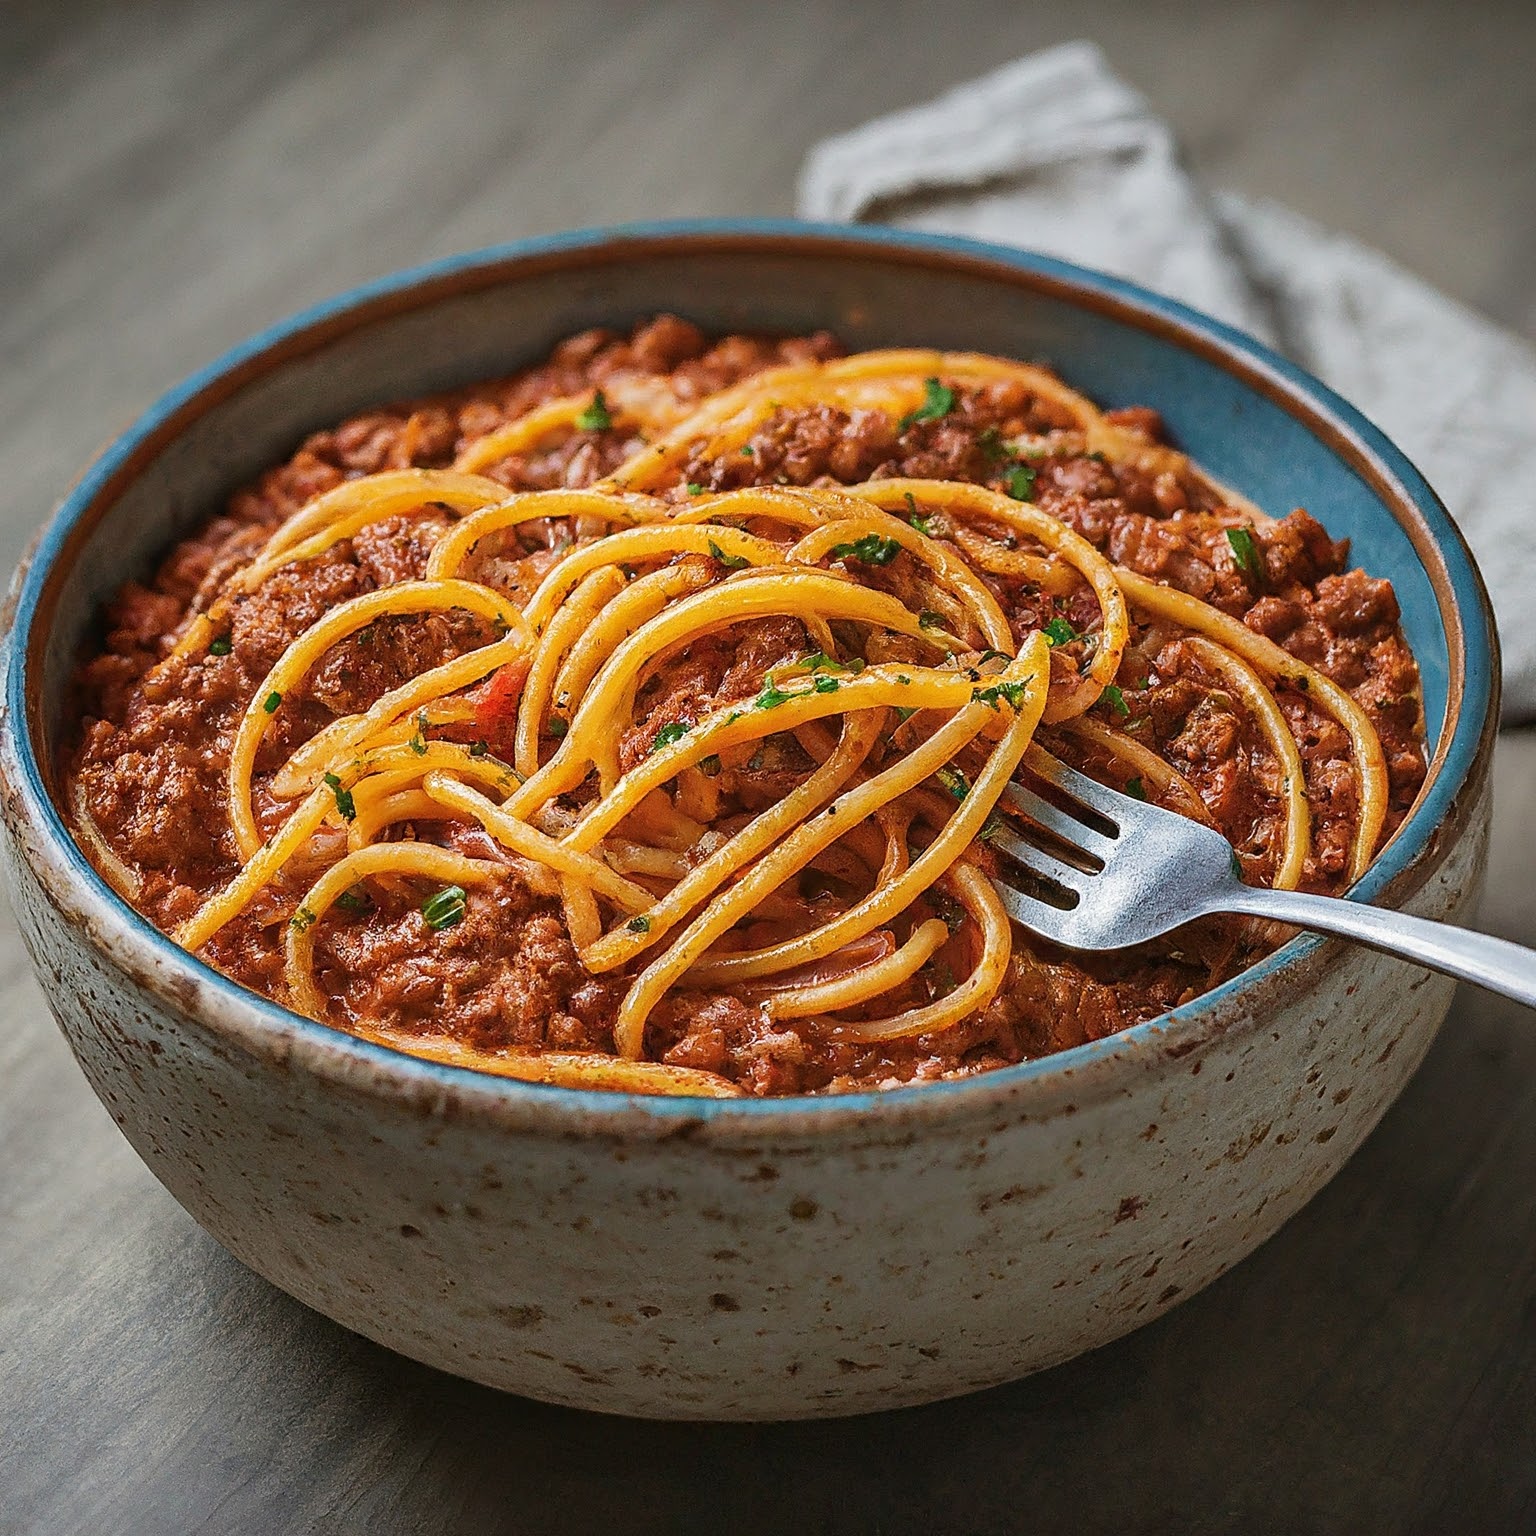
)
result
[(156, 729)]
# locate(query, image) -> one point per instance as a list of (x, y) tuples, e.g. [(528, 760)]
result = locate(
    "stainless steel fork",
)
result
[(1115, 871)]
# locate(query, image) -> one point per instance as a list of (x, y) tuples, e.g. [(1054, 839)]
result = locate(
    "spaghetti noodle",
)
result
[(738, 740)]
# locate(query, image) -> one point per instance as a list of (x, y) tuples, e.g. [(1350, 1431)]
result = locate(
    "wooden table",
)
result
[(175, 176)]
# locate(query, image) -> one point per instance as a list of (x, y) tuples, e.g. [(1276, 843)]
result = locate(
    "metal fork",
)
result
[(1116, 871)]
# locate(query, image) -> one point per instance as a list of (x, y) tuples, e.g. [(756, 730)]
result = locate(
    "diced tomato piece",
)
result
[(496, 707)]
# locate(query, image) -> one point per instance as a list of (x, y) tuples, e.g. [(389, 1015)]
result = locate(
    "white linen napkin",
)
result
[(1055, 153)]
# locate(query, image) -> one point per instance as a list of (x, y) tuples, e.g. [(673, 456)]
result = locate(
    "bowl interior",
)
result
[(1249, 418)]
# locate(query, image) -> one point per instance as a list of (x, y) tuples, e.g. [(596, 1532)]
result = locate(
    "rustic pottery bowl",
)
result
[(728, 1259)]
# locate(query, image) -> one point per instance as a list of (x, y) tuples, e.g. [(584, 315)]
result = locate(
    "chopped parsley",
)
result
[(597, 417), (1245, 552), (819, 661), (1116, 701), (357, 900), (220, 645), (1012, 692), (903, 714), (1136, 789), (771, 697), (418, 740), (639, 925), (928, 619), (938, 400), (271, 702), (674, 731), (480, 749), (1020, 482), (746, 450), (954, 781), (990, 828), (444, 909), (730, 562), (993, 655), (991, 443), (923, 522), (301, 920), (346, 807), (1059, 632), (872, 549), (821, 683), (557, 727), (694, 488)]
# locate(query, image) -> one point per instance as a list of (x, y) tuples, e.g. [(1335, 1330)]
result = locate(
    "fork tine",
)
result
[(1038, 916), (1056, 821), (1079, 786), (1038, 862)]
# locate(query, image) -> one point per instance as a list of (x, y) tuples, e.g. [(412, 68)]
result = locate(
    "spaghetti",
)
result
[(734, 739)]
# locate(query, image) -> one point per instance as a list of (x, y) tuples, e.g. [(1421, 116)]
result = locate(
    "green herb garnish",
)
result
[(1245, 552), (821, 683), (920, 521), (444, 909), (674, 731), (1012, 692), (1116, 701), (1059, 632), (903, 714), (220, 645), (639, 925), (480, 749), (938, 400), (730, 562), (872, 549), (271, 702), (928, 619), (954, 781), (992, 445), (1020, 482), (694, 488), (346, 807), (771, 697), (1136, 789), (301, 920), (357, 900), (557, 727), (418, 739), (597, 417)]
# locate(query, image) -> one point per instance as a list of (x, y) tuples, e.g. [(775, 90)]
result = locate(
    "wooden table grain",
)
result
[(172, 176)]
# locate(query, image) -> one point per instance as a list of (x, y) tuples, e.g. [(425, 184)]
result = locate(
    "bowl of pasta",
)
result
[(502, 776)]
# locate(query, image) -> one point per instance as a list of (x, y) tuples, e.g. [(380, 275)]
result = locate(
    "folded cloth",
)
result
[(1056, 153)]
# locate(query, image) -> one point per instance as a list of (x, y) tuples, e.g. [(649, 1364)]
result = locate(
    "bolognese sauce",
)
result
[(507, 726)]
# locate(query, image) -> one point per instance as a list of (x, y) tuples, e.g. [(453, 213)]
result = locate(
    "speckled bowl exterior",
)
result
[(756, 1259)]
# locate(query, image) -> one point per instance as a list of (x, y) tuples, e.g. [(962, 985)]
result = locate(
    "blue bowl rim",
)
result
[(1472, 644)]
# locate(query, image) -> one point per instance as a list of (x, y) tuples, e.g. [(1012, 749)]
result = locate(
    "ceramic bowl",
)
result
[(746, 1259)]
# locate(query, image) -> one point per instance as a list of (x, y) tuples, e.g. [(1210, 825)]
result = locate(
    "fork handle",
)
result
[(1476, 957)]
